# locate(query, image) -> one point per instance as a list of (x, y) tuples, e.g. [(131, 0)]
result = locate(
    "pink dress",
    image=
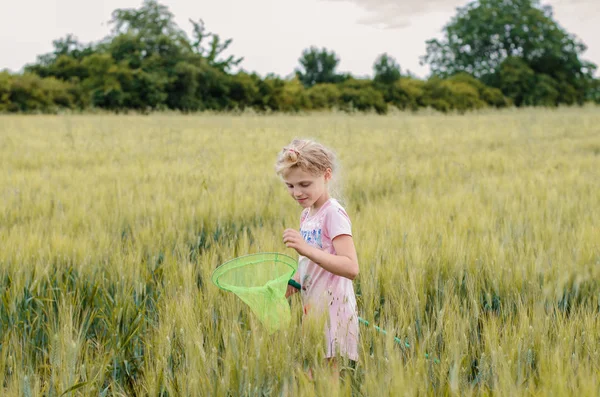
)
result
[(322, 290)]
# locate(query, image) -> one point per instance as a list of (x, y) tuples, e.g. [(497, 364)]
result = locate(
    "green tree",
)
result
[(485, 33), (516, 80), (106, 82), (387, 70), (64, 62), (72, 47), (155, 31), (174, 71), (593, 92), (387, 74), (148, 23), (216, 47), (318, 66)]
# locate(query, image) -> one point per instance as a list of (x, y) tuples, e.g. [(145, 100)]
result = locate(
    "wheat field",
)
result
[(478, 239)]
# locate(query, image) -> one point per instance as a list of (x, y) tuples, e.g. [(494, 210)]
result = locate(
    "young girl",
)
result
[(327, 263)]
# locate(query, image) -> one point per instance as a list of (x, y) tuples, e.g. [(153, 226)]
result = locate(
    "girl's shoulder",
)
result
[(331, 208), (336, 221), (335, 209)]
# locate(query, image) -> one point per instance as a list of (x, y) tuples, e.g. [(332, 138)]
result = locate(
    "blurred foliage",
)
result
[(492, 56)]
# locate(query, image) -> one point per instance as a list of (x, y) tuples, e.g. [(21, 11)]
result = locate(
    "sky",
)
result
[(271, 34)]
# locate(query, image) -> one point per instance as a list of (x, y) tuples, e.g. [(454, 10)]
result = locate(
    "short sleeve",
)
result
[(337, 222)]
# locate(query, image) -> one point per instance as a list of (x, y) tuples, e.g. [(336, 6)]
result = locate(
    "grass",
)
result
[(477, 238)]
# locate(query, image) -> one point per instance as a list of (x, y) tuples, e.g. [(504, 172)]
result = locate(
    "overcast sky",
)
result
[(271, 34)]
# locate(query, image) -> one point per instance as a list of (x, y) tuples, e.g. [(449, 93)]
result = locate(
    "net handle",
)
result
[(297, 285), (294, 284)]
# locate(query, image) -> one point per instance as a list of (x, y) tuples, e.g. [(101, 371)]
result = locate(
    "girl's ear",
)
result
[(328, 174)]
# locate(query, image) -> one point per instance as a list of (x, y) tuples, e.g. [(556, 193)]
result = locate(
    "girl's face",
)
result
[(307, 189)]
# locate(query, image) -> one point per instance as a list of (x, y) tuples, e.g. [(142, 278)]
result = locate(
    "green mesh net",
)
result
[(260, 280)]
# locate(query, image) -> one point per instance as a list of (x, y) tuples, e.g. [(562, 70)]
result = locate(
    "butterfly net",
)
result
[(260, 280)]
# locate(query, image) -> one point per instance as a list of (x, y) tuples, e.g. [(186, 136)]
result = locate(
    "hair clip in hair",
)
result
[(294, 151)]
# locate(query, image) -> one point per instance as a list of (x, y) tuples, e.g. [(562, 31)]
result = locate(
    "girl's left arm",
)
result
[(344, 263)]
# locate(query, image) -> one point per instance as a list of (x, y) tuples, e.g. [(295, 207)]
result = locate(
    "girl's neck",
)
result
[(319, 203)]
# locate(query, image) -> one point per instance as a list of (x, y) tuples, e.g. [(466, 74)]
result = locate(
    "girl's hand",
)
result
[(293, 239), (290, 291)]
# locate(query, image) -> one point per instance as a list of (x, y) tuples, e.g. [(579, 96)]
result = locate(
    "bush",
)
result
[(490, 95), (31, 93), (293, 96), (213, 88), (361, 95), (183, 91), (545, 92), (5, 84), (407, 93), (323, 96), (243, 90), (446, 95), (59, 93)]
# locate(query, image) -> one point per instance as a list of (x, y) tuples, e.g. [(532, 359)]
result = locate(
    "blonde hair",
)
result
[(306, 154)]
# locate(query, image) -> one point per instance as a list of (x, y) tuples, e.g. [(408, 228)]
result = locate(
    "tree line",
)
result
[(493, 54)]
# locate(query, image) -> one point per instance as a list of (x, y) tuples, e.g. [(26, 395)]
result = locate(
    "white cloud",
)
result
[(397, 14)]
